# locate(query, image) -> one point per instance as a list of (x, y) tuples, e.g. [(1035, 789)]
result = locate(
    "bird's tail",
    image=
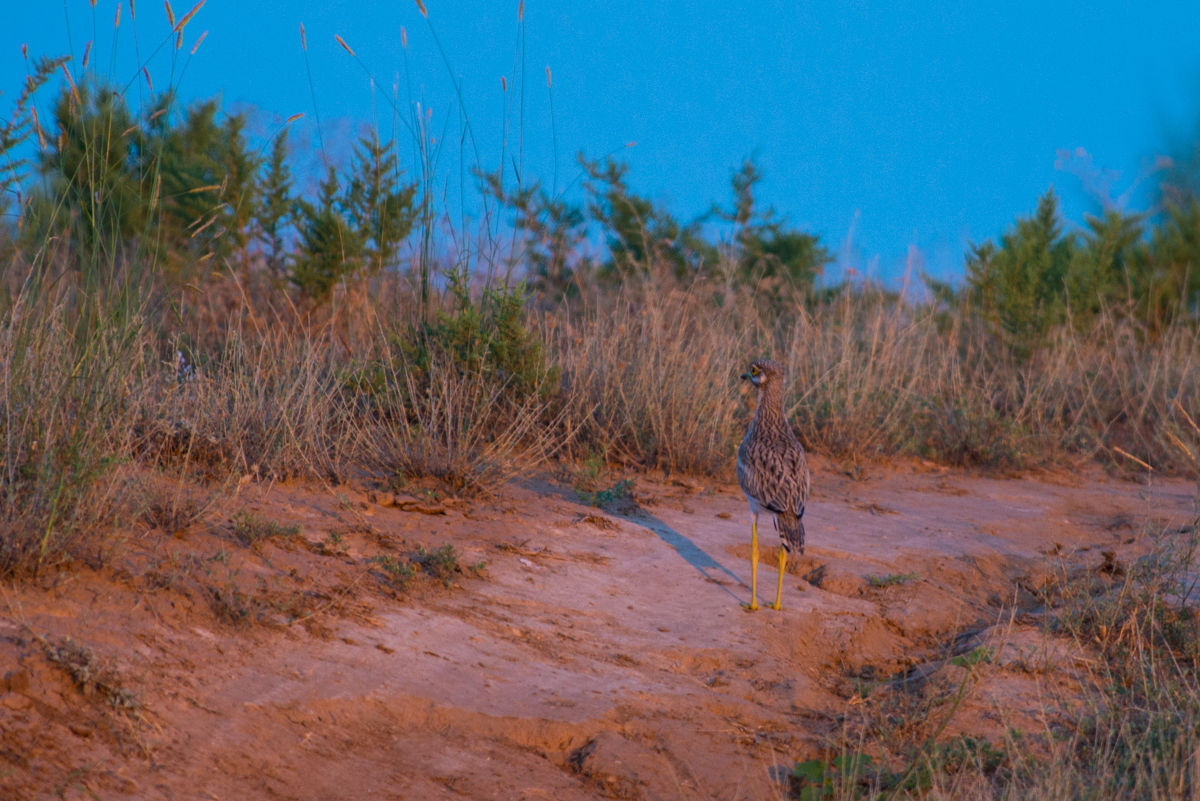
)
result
[(791, 531)]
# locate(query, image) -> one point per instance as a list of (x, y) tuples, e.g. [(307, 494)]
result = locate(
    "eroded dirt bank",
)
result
[(596, 654)]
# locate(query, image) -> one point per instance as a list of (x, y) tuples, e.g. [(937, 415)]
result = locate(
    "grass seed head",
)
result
[(188, 16), (421, 8), (196, 46), (345, 46), (38, 127), (170, 13), (71, 81)]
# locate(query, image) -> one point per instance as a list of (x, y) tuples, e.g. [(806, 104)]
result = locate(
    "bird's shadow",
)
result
[(692, 553)]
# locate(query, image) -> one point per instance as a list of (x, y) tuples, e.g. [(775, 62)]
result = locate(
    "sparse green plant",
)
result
[(253, 529), (815, 780), (441, 564), (892, 579), (622, 490), (398, 573), (230, 603)]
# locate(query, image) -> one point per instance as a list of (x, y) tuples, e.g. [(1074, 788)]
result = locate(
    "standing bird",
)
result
[(772, 470)]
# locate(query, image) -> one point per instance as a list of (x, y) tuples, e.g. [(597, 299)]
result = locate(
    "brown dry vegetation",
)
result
[(140, 412), (644, 377)]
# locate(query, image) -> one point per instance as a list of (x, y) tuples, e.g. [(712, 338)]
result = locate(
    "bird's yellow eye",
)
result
[(753, 371)]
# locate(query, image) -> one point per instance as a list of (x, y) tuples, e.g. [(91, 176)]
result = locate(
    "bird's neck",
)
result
[(769, 410)]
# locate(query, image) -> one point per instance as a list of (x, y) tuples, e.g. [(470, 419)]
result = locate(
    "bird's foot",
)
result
[(777, 606), (750, 607)]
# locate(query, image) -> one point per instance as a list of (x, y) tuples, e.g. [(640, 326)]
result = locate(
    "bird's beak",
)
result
[(745, 376)]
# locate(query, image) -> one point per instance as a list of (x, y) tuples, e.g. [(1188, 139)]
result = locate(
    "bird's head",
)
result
[(763, 372)]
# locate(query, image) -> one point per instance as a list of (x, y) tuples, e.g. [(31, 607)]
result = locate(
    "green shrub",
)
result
[(488, 336)]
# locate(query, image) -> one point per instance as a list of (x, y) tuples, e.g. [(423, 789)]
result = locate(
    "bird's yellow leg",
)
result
[(753, 605), (779, 588)]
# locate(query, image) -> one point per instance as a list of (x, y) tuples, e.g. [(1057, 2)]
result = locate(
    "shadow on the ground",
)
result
[(692, 553)]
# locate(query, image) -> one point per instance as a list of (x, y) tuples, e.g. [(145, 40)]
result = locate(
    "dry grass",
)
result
[(650, 377), (454, 424), (71, 395), (1129, 729), (644, 376)]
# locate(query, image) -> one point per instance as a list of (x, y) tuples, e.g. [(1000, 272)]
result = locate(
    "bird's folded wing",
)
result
[(778, 481)]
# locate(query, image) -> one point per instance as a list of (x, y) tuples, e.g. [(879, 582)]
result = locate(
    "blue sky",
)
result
[(892, 125)]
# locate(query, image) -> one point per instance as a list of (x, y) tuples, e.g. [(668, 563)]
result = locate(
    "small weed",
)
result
[(965, 752), (90, 673), (587, 481), (978, 656), (252, 529), (918, 768), (893, 579), (231, 604), (815, 780), (953, 758), (441, 564), (590, 471), (622, 490), (172, 518), (398, 573)]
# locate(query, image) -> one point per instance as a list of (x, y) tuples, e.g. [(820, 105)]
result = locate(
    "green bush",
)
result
[(1039, 277), (488, 336)]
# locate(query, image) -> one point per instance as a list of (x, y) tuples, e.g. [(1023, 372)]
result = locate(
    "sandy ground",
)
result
[(598, 654)]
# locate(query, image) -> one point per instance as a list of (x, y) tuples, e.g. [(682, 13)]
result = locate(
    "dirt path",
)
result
[(602, 657)]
